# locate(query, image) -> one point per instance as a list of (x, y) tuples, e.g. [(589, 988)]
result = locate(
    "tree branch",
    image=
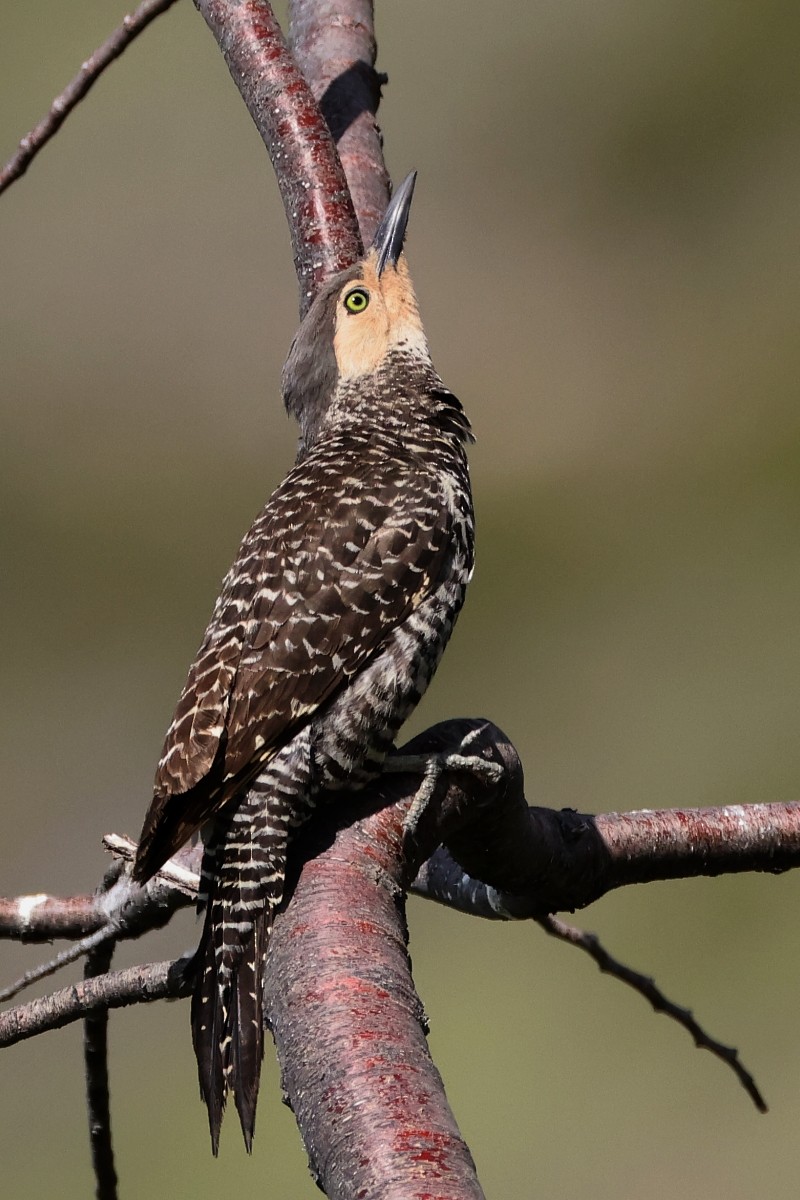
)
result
[(647, 987), (134, 985), (343, 1010), (333, 42), (338, 976), (95, 1055), (536, 860), (319, 211), (348, 1026), (41, 917), (73, 93), (480, 848), (86, 946)]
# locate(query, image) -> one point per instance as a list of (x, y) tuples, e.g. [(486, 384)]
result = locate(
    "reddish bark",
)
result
[(350, 1029), (531, 861), (319, 211), (333, 42)]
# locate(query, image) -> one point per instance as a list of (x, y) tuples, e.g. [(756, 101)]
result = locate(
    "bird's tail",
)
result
[(244, 871)]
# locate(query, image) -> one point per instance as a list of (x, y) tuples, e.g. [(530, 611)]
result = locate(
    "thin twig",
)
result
[(181, 872), (62, 959), (73, 93), (134, 985), (95, 1056), (647, 987), (127, 911)]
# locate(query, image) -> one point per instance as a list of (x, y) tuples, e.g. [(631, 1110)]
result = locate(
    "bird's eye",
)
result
[(356, 300)]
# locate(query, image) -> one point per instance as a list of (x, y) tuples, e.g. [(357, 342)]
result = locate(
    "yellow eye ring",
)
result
[(356, 300)]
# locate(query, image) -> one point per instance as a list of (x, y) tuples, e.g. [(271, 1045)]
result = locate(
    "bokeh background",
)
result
[(605, 243)]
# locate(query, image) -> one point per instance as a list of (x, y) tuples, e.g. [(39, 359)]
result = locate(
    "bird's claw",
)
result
[(432, 767)]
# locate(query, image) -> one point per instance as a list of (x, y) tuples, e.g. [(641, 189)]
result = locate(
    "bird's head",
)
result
[(359, 320)]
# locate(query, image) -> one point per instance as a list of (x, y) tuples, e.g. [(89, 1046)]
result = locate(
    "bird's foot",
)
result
[(432, 767)]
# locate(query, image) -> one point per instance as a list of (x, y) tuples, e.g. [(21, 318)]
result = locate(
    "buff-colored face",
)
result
[(374, 315)]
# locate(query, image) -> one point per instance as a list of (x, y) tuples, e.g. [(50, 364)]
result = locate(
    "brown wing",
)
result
[(189, 772), (360, 575), (328, 569)]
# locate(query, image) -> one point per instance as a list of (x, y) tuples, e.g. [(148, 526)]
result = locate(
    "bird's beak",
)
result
[(390, 234)]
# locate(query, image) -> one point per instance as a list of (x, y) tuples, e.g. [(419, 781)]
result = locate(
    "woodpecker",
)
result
[(327, 631)]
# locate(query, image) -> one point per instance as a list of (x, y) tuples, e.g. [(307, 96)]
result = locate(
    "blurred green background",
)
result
[(605, 244)]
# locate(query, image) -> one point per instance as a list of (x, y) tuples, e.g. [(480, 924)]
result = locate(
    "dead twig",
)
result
[(647, 987), (121, 911), (85, 946)]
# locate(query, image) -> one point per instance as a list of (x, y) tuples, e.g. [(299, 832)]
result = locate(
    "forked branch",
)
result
[(312, 182), (552, 859)]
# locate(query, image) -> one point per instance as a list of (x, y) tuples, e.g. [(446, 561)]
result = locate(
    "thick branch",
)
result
[(482, 850), (678, 843), (349, 1027), (340, 944), (333, 42), (536, 860), (343, 1010), (322, 222)]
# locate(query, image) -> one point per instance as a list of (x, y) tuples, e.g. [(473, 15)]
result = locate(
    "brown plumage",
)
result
[(328, 628)]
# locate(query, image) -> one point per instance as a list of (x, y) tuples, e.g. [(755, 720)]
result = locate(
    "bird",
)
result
[(328, 629)]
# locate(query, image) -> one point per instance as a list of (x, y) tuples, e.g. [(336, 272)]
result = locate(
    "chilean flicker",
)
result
[(328, 629)]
